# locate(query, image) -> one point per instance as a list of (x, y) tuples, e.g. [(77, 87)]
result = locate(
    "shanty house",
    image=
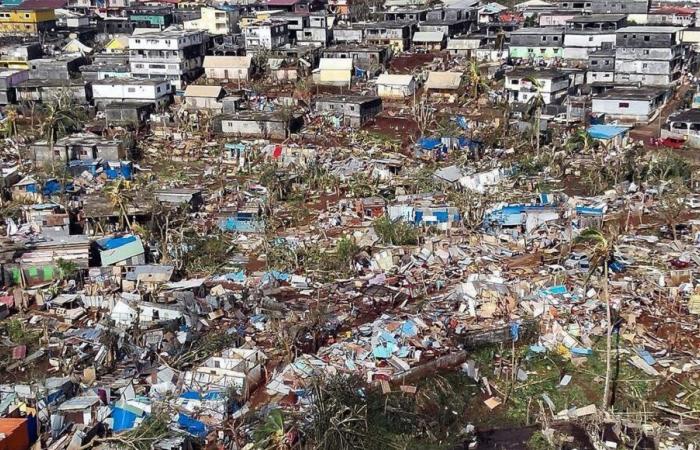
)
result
[(204, 97), (335, 71), (349, 110), (393, 86), (227, 67), (259, 124), (429, 40), (443, 83)]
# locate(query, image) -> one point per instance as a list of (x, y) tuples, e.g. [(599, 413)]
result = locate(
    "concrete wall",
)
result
[(275, 130), (535, 52), (628, 110)]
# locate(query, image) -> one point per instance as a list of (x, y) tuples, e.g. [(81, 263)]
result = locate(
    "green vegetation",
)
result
[(395, 233)]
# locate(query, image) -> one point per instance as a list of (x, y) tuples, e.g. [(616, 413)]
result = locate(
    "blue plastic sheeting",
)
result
[(462, 122), (192, 426), (429, 143), (537, 349), (51, 187), (588, 211), (279, 276), (110, 244), (515, 331), (606, 131), (32, 428), (554, 290), (384, 351), (469, 143), (408, 328), (123, 419), (241, 224), (194, 395), (30, 188), (646, 356), (581, 351), (236, 277)]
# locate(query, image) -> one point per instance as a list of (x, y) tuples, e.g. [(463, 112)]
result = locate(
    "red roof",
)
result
[(678, 10)]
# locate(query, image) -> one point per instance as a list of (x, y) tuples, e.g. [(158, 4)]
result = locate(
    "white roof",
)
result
[(428, 36), (227, 62), (194, 90), (444, 80), (531, 3), (394, 79), (335, 64)]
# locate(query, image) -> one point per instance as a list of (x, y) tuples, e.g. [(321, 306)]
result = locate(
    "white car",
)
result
[(693, 201)]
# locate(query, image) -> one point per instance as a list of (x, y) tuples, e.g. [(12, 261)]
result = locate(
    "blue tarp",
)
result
[(606, 131), (194, 395), (123, 419), (554, 290), (408, 328), (462, 122), (429, 143), (112, 243), (192, 426), (51, 187), (588, 211)]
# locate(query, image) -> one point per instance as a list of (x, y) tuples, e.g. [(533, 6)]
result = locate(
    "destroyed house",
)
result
[(238, 369), (364, 57), (147, 314), (619, 6), (350, 110), (448, 27), (204, 97), (180, 196), (123, 251), (48, 90), (128, 113), (244, 220)]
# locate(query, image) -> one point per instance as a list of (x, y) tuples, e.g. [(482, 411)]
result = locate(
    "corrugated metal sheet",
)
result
[(444, 80)]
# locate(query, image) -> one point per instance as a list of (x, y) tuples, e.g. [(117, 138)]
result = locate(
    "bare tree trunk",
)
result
[(608, 339)]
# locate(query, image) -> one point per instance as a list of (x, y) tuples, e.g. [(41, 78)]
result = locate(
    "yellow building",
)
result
[(15, 20)]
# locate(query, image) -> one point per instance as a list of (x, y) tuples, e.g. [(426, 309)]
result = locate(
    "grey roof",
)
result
[(656, 29), (689, 115), (428, 36), (78, 403), (544, 74), (593, 18), (539, 30), (632, 93), (346, 99)]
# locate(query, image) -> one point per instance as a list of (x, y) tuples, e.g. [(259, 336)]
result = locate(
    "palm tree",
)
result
[(580, 140), (119, 198), (476, 81), (602, 249), (60, 117), (271, 435), (534, 109)]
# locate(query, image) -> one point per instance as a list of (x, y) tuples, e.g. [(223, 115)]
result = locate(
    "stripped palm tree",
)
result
[(476, 81), (60, 118), (534, 109), (119, 197), (601, 251)]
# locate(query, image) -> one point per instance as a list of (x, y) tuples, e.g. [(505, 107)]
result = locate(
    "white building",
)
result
[(392, 86), (585, 34), (173, 55), (132, 90), (267, 35), (553, 85), (634, 105)]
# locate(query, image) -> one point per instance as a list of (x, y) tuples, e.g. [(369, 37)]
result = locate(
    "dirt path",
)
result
[(651, 130)]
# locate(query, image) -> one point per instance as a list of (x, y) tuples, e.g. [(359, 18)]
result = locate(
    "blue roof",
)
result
[(606, 131), (112, 243)]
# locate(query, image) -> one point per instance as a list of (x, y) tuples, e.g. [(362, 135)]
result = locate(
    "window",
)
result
[(26, 16), (555, 38), (594, 63), (645, 65), (514, 81), (590, 38), (158, 89), (623, 105), (352, 108), (624, 36), (544, 38), (607, 75), (646, 38), (138, 41), (138, 66), (131, 89)]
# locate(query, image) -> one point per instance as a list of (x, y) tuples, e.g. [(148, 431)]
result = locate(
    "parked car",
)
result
[(693, 201)]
